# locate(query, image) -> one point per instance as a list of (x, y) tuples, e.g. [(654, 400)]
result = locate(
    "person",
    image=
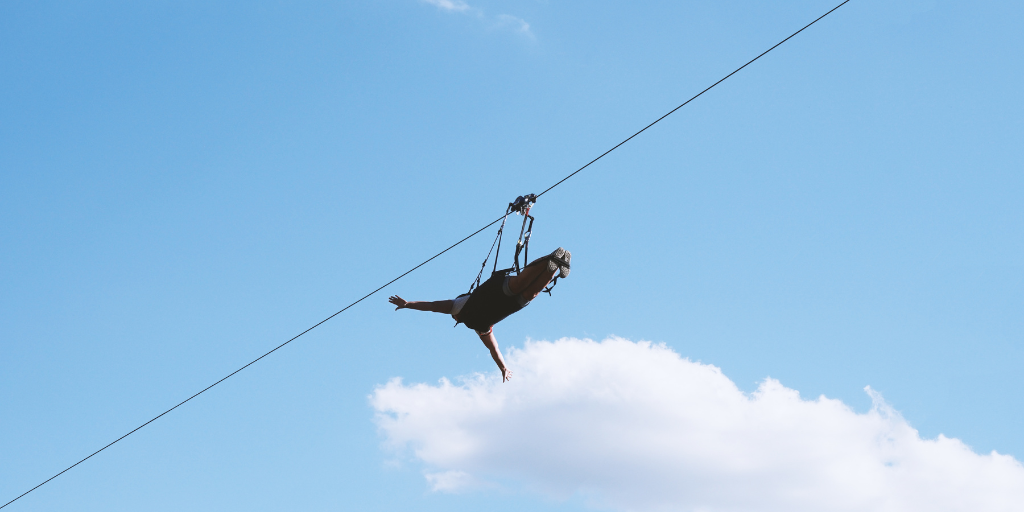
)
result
[(495, 299)]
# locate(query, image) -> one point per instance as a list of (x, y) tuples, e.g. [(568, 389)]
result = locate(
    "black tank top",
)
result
[(488, 304)]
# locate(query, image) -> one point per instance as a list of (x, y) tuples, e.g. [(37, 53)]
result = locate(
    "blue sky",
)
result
[(185, 185)]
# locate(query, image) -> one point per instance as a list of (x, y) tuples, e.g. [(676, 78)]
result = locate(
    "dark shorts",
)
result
[(490, 303)]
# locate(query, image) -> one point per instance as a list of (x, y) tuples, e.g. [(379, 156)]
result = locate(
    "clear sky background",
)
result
[(184, 185)]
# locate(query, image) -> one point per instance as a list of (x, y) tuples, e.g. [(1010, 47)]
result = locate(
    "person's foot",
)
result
[(559, 260)]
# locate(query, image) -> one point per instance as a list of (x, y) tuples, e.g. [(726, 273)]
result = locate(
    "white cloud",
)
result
[(450, 481), (518, 24), (633, 426), (500, 21), (449, 5)]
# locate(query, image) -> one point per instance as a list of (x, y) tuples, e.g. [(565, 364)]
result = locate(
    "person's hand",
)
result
[(506, 375), (398, 301)]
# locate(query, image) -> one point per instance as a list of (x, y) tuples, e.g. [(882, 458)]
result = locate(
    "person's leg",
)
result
[(538, 274), (534, 278)]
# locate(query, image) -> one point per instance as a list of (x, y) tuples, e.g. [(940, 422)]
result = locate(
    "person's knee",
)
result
[(514, 285), (508, 284), (510, 287)]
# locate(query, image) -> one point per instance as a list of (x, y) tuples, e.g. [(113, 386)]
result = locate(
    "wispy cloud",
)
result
[(515, 23), (501, 21), (634, 426), (449, 5)]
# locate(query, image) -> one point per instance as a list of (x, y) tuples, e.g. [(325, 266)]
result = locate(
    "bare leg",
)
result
[(534, 278), (492, 345)]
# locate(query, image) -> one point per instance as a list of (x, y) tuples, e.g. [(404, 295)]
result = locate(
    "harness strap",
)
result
[(497, 240), (523, 245), (552, 285)]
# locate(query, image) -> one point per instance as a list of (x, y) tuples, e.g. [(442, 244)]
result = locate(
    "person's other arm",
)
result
[(437, 306), (492, 345)]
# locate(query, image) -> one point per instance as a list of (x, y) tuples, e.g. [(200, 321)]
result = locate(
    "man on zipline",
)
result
[(498, 297)]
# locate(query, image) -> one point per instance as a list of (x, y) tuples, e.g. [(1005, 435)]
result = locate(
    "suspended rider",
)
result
[(505, 292)]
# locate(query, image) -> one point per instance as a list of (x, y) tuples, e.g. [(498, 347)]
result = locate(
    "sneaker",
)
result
[(559, 260)]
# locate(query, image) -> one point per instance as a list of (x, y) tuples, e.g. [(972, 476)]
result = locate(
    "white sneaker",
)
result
[(559, 260)]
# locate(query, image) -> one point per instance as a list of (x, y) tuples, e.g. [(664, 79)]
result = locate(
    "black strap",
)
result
[(497, 240), (523, 245), (552, 285)]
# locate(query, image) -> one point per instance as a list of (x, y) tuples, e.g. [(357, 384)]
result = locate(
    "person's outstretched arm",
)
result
[(437, 306), (492, 344)]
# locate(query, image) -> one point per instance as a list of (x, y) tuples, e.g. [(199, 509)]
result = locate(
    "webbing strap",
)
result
[(552, 285), (497, 240), (523, 245)]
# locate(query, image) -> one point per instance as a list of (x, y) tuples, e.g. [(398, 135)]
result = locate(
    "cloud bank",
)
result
[(635, 427)]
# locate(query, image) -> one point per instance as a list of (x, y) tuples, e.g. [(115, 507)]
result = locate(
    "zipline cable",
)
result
[(495, 221), (251, 362), (670, 112)]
